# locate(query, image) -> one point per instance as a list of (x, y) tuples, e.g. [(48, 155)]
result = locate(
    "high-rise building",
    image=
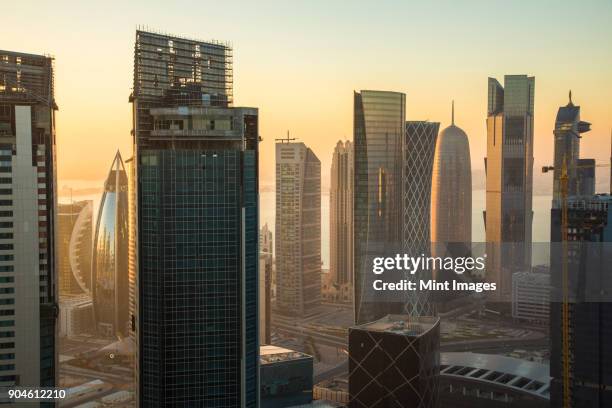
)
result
[(298, 229), (451, 193), (341, 215), (28, 287), (74, 245), (568, 131), (509, 169), (197, 230), (110, 255), (132, 254), (394, 362), (378, 139), (589, 303), (531, 296), (265, 284)]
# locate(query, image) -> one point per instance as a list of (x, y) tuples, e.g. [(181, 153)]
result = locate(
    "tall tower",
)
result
[(265, 284), (378, 137), (509, 169), (451, 193), (28, 294), (568, 130), (298, 229), (110, 292), (197, 230), (341, 214), (74, 226)]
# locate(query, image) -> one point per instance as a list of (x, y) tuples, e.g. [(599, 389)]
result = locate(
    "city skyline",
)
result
[(335, 70)]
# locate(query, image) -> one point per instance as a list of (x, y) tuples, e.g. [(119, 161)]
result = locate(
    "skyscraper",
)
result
[(341, 215), (509, 169), (298, 229), (28, 291), (451, 193), (74, 225), (265, 284), (378, 137), (197, 230), (568, 130), (110, 255), (589, 302)]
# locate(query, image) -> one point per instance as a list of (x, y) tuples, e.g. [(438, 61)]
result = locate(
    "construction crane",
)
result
[(564, 181)]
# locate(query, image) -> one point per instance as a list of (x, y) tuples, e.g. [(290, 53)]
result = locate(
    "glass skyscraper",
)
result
[(110, 292), (197, 227), (378, 133), (509, 168), (341, 215)]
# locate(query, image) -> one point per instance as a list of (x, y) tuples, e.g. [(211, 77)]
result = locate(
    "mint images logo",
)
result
[(410, 264)]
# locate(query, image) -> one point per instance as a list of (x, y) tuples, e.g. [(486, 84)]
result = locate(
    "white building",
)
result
[(530, 296)]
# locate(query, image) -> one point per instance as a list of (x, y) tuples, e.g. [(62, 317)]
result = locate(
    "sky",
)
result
[(300, 61)]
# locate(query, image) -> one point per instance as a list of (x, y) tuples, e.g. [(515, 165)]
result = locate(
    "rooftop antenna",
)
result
[(570, 98), (285, 139), (453, 113)]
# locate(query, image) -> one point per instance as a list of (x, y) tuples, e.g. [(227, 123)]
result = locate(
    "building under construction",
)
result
[(28, 301)]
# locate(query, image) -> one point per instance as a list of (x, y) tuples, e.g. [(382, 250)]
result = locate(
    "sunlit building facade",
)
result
[(298, 229), (28, 282), (197, 227), (74, 248), (341, 215), (378, 138), (110, 255), (509, 185)]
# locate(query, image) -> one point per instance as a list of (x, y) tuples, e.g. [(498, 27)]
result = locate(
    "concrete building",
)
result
[(341, 216), (509, 169), (298, 229), (197, 227), (379, 131), (76, 315), (531, 296), (394, 361), (286, 377), (471, 380), (28, 281)]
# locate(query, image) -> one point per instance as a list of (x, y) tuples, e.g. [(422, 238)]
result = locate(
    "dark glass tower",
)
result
[(110, 255), (197, 229), (378, 133)]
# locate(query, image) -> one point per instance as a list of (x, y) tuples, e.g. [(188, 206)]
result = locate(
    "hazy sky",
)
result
[(299, 62)]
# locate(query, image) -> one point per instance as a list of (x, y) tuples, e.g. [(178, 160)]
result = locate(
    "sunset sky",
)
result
[(299, 62)]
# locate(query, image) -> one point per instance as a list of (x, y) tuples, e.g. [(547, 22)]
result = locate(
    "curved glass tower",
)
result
[(110, 255)]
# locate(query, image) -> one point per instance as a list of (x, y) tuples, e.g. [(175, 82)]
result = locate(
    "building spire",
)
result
[(570, 99), (453, 113)]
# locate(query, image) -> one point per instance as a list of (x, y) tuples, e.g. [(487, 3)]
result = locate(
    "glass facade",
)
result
[(509, 167), (110, 256), (379, 128), (196, 180)]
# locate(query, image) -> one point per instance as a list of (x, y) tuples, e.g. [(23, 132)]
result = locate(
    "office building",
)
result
[(74, 248), (286, 377), (76, 315), (589, 284), (451, 192), (132, 256), (265, 284), (473, 380), (378, 139), (341, 216), (197, 229), (394, 362), (568, 132), (110, 255), (509, 185), (28, 283), (298, 229), (531, 296)]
